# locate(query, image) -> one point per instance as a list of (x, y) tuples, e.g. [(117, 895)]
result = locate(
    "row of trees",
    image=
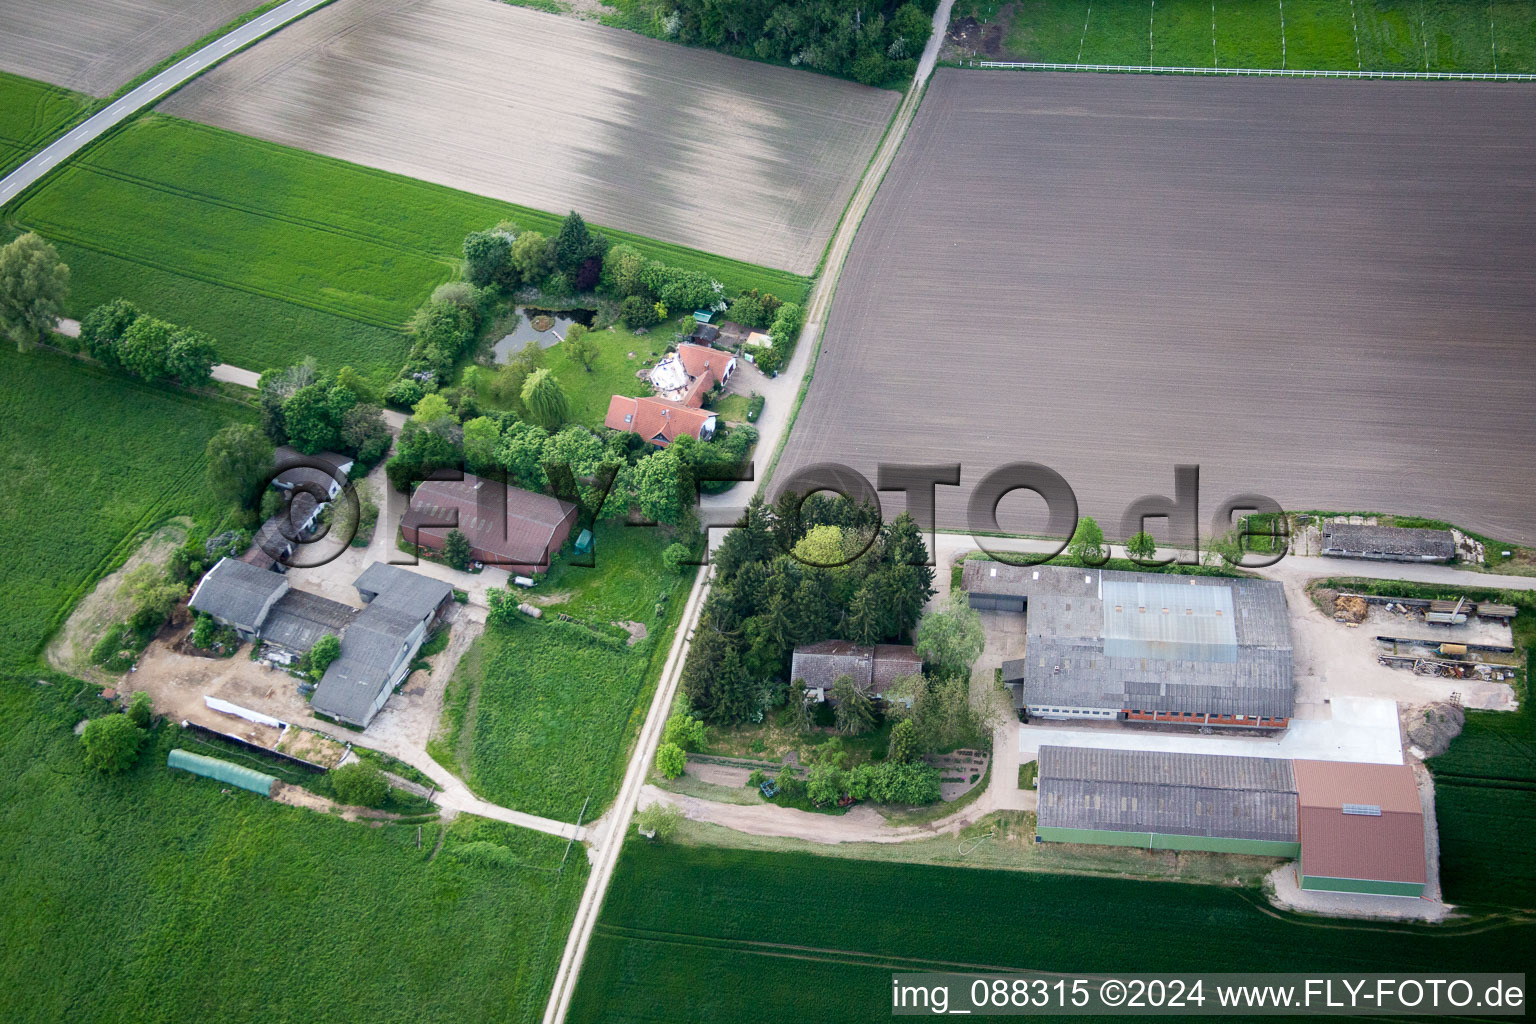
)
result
[(798, 573), (877, 44), (608, 474), (119, 335)]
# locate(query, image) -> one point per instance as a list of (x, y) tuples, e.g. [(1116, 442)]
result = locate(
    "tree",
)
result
[(104, 326), (866, 616), (659, 821), (854, 711), (111, 743), (580, 346), (145, 348), (684, 730), (1141, 547), (486, 255), (359, 784), (943, 716), (239, 461), (152, 595), (325, 650), (903, 746), (530, 257), (456, 550), (622, 268), (364, 431), (34, 288), (545, 400), (825, 783), (1087, 544), (432, 411), (663, 487), (575, 244), (312, 423), (190, 357), (951, 638), (482, 436), (670, 760), (141, 709)]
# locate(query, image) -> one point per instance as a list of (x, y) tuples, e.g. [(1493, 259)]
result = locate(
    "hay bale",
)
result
[(1349, 608)]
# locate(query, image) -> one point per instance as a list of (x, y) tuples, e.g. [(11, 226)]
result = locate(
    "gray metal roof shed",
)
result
[(238, 593)]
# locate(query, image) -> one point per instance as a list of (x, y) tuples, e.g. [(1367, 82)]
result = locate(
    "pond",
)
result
[(509, 345)]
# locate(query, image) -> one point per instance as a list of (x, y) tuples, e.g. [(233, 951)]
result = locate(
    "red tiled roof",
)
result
[(657, 420), (700, 358), (1388, 846)]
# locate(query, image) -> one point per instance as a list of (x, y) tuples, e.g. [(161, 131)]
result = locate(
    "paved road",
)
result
[(167, 80), (615, 824), (949, 546), (617, 821)]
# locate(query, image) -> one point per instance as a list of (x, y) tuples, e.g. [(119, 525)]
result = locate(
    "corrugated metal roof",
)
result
[(224, 771), (1174, 794), (1343, 539), (1098, 638), (299, 618), (237, 592)]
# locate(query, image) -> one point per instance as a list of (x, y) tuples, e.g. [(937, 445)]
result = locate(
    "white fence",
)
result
[(1461, 76)]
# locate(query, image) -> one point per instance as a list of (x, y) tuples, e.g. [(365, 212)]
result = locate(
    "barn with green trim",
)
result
[(1353, 828), (1160, 800)]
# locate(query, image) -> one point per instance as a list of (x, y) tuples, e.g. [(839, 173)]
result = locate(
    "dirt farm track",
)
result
[(94, 46), (725, 155), (1321, 291)]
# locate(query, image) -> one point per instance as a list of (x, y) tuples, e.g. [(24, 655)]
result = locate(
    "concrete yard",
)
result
[(1362, 729), (682, 145), (1320, 291), (94, 46)]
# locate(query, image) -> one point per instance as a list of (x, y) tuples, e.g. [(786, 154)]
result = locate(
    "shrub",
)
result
[(684, 731), (755, 407), (638, 312), (140, 709), (111, 743), (405, 393), (359, 784), (660, 820), (456, 550), (326, 650), (670, 760), (675, 557)]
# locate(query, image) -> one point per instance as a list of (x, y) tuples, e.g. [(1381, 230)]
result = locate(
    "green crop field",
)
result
[(31, 113), (276, 252), (1334, 35), (539, 715), (708, 934), (156, 896), (89, 460)]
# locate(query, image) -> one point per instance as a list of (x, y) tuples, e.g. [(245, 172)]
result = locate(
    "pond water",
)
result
[(510, 344)]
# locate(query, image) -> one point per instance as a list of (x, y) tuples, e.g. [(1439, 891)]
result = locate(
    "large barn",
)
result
[(507, 527), (1352, 827), (1131, 646)]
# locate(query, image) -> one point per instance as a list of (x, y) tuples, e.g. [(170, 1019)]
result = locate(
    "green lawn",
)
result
[(89, 460), (1376, 35), (539, 715), (278, 252), (612, 373), (156, 896), (710, 934), (31, 113)]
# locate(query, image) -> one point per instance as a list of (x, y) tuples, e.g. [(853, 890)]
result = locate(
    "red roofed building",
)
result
[(1362, 828), (657, 420), (507, 527), (707, 367)]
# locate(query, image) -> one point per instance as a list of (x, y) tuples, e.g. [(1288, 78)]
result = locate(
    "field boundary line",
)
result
[(1148, 69), (64, 236), (88, 166)]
